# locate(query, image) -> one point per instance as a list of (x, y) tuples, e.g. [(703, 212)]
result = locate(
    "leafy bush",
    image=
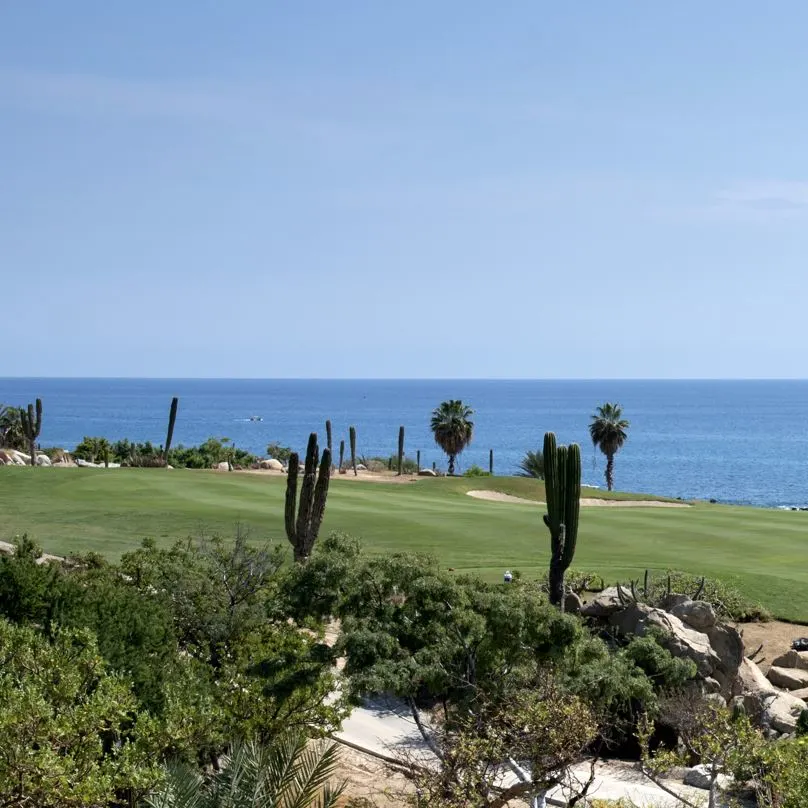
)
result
[(278, 452), (378, 464), (475, 471)]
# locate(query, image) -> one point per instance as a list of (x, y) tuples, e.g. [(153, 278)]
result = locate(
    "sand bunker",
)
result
[(497, 496)]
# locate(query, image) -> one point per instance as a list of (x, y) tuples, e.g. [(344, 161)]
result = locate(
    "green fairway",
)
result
[(762, 552)]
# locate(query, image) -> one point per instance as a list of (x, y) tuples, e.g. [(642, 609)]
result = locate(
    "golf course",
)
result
[(760, 552)]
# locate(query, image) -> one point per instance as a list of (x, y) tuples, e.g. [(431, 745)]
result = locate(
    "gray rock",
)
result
[(572, 603), (727, 643), (792, 659), (43, 460), (781, 711), (606, 603), (669, 602), (271, 463), (680, 640), (701, 777), (802, 693), (751, 679), (697, 614), (223, 466), (788, 678)]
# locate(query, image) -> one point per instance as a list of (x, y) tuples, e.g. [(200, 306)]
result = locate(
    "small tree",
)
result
[(609, 431), (453, 428)]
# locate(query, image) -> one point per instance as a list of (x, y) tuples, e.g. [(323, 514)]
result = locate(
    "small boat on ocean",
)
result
[(256, 418)]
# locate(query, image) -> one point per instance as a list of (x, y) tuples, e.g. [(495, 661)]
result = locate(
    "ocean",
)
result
[(740, 442)]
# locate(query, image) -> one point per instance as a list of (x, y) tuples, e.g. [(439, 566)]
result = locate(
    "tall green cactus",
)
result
[(32, 426), (303, 521), (491, 462), (352, 438), (562, 482), (341, 455), (418, 460), (172, 419), (328, 437), (400, 450)]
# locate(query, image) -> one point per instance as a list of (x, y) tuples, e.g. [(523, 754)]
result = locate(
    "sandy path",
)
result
[(497, 496)]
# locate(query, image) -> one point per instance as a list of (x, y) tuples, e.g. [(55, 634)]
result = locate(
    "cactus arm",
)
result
[(572, 503), (172, 419), (341, 454), (328, 436), (400, 450), (291, 498), (352, 437), (307, 488), (318, 502)]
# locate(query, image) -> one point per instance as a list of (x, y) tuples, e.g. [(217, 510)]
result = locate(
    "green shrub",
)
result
[(476, 471), (278, 452)]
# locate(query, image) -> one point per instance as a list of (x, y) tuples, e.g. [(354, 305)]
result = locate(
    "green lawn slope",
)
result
[(762, 552)]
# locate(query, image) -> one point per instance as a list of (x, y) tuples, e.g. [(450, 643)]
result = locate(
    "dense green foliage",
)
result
[(11, 432), (278, 452)]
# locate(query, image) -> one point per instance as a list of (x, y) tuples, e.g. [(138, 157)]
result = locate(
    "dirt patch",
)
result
[(368, 778), (587, 502), (775, 636), (362, 476)]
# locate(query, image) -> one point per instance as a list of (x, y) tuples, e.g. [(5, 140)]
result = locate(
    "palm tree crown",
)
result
[(608, 431), (532, 465), (453, 428)]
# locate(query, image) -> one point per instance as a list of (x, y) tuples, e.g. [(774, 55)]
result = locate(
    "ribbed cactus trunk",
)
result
[(418, 460), (172, 419), (562, 482), (303, 521), (32, 426), (328, 438), (400, 450), (341, 454), (491, 462), (352, 439)]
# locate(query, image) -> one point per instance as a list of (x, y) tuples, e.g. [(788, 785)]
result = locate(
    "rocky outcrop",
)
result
[(697, 614), (680, 640), (607, 602), (781, 711), (788, 678), (792, 659), (572, 603), (701, 776), (271, 463), (751, 679)]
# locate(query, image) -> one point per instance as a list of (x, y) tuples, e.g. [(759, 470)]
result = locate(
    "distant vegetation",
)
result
[(452, 428), (609, 431)]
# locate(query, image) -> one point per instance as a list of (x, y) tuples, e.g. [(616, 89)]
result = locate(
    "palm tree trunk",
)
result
[(451, 465), (609, 471)]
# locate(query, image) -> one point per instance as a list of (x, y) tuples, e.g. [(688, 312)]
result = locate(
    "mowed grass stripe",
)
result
[(76, 510)]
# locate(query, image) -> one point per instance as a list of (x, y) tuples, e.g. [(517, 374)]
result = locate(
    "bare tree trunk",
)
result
[(609, 471)]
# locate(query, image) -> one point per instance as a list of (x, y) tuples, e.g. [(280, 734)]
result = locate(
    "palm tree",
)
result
[(608, 433), (287, 773), (532, 465), (452, 428)]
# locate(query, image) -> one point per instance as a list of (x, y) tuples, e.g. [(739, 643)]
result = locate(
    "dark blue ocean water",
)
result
[(735, 441)]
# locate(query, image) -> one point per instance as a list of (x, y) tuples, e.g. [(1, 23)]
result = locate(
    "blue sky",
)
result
[(420, 189)]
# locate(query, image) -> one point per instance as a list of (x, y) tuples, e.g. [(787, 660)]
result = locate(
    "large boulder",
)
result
[(425, 473), (792, 659), (223, 466), (727, 643), (680, 640), (43, 460), (781, 711), (802, 693), (751, 679), (701, 776), (788, 678), (271, 463), (607, 602), (697, 614), (572, 603)]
